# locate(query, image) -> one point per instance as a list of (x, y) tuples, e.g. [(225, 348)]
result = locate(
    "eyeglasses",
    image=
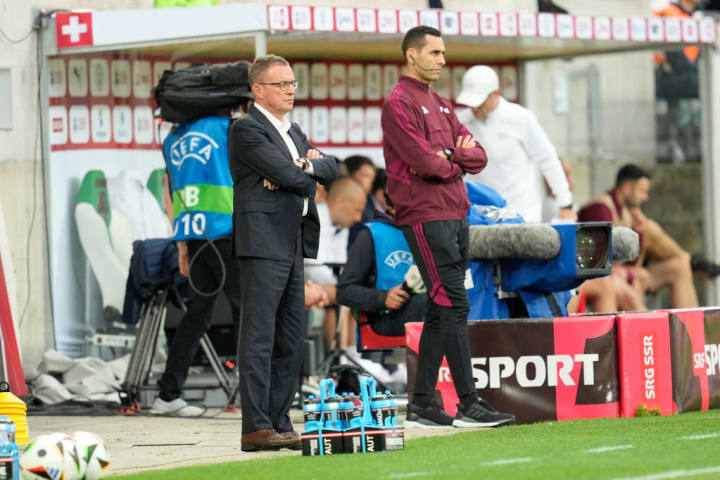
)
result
[(283, 85)]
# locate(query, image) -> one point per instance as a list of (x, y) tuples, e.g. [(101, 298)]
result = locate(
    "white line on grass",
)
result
[(410, 474), (507, 461), (609, 449), (700, 437), (675, 474)]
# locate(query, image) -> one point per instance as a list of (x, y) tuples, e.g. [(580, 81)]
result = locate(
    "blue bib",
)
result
[(392, 255), (196, 154)]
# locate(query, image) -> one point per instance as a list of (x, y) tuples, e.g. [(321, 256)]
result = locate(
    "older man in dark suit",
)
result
[(275, 224)]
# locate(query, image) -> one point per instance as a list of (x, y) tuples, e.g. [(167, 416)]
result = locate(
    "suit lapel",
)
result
[(297, 140), (274, 134)]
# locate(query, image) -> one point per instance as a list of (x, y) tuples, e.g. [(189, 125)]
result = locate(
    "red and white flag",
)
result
[(74, 29)]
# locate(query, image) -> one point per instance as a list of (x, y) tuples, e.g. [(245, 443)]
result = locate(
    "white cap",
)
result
[(477, 85)]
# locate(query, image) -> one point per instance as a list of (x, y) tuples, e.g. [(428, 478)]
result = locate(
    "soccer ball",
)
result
[(43, 458), (52, 456), (71, 457), (94, 459)]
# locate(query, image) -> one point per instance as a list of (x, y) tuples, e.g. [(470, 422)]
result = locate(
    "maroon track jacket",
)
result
[(424, 187)]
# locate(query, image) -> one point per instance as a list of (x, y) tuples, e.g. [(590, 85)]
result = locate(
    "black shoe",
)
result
[(477, 415), (485, 404), (702, 265), (431, 416)]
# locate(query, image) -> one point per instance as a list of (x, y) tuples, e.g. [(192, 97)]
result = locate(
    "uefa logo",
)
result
[(192, 146), (397, 257)]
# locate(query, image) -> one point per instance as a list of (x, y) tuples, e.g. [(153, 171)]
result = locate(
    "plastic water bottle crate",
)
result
[(351, 423)]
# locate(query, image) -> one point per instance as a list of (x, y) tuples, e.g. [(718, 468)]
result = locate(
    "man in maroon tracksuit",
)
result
[(427, 151)]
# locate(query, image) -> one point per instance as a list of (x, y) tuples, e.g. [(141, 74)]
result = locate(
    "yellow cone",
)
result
[(16, 409)]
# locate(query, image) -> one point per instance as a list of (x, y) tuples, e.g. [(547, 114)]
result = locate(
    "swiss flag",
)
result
[(74, 29)]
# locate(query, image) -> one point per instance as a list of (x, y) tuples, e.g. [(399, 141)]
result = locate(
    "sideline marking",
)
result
[(507, 461), (410, 474), (608, 449), (700, 437), (674, 474)]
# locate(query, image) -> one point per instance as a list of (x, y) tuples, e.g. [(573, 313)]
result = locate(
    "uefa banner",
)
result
[(536, 369)]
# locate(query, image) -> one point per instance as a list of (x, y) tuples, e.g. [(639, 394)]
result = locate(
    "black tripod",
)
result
[(152, 319)]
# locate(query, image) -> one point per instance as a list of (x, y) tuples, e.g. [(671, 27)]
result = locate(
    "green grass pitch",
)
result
[(648, 448)]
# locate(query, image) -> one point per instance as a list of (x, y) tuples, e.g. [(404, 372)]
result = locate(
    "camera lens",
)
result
[(592, 248)]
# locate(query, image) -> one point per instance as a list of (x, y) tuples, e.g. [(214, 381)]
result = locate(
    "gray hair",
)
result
[(262, 64)]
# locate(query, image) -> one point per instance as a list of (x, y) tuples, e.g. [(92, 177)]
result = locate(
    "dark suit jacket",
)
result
[(265, 222)]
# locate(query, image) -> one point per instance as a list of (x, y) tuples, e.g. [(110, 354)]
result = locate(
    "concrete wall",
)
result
[(21, 168), (609, 119)]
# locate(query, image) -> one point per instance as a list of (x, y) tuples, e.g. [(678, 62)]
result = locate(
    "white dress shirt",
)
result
[(332, 249), (518, 150), (282, 126)]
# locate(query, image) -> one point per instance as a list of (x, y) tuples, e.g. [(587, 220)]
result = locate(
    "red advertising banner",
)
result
[(645, 366), (695, 352), (593, 389), (537, 369), (589, 366)]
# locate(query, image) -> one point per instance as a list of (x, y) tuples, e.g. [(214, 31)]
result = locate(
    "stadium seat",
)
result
[(368, 340), (156, 186), (105, 236)]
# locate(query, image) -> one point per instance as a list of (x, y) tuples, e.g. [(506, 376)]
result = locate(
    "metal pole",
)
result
[(44, 48), (710, 101), (260, 44)]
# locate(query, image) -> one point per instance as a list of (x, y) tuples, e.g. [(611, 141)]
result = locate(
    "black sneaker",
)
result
[(477, 415), (485, 404), (702, 265), (431, 416)]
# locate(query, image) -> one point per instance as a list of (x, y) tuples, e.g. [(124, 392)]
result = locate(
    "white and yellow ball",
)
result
[(43, 459), (94, 459), (57, 456)]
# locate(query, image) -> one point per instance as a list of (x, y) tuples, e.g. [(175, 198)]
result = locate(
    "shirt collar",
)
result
[(412, 81), (616, 202), (281, 125)]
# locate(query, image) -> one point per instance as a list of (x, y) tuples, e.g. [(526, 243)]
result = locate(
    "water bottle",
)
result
[(331, 418), (355, 413), (343, 410), (312, 413), (9, 452), (378, 409), (393, 406)]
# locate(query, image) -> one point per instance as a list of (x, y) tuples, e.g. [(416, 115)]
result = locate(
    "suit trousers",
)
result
[(206, 276), (441, 252), (274, 327)]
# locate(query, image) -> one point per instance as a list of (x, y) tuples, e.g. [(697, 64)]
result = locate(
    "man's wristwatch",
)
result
[(448, 152), (305, 163)]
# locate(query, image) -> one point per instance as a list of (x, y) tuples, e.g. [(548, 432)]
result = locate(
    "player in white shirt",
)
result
[(518, 149)]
